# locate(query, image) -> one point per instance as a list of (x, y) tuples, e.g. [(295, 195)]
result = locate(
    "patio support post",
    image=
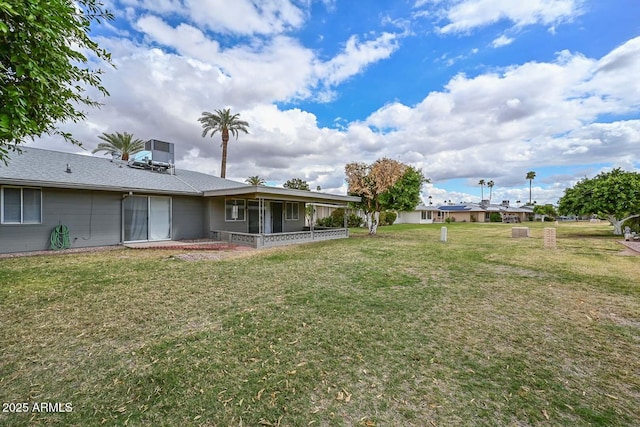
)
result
[(260, 215), (345, 216), (313, 218)]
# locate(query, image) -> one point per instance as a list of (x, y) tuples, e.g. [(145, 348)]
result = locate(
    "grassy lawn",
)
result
[(393, 330)]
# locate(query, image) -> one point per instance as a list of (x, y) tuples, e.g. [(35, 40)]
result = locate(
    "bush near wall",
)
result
[(388, 218), (495, 217), (336, 219)]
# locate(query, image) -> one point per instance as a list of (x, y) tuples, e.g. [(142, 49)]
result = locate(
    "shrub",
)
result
[(495, 217), (388, 218), (354, 221), (336, 219)]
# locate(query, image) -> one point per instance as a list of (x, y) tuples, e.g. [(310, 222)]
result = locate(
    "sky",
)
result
[(465, 90)]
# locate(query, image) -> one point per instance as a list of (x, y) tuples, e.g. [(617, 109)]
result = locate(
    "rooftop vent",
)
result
[(157, 155)]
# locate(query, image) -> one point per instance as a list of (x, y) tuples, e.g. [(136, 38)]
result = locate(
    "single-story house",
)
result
[(422, 214), (104, 201)]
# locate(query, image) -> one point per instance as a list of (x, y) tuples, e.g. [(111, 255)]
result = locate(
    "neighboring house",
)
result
[(420, 215), (110, 202), (511, 214), (464, 212)]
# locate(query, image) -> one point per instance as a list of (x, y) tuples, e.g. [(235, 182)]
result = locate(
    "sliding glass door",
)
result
[(146, 218)]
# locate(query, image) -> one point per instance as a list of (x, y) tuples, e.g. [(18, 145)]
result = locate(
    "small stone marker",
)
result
[(520, 232), (443, 234), (550, 238)]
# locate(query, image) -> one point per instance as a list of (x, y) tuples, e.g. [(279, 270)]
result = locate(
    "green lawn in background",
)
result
[(397, 329)]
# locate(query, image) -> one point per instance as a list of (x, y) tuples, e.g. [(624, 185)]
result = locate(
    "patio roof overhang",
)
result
[(264, 192)]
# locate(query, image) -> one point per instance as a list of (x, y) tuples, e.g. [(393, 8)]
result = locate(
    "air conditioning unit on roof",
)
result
[(157, 155)]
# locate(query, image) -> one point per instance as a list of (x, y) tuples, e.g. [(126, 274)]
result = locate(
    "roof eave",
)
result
[(261, 191), (72, 186)]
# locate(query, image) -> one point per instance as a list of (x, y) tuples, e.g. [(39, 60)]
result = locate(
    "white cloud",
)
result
[(502, 41), (257, 70), (246, 16), (355, 57), (464, 16)]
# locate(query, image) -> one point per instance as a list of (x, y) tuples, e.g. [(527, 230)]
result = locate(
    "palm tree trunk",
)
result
[(225, 142), (529, 191)]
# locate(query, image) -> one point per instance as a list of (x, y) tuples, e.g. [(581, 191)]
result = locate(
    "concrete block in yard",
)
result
[(549, 237), (520, 232)]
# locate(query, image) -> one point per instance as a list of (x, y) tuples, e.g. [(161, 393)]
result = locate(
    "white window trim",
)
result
[(286, 211), (244, 210), (2, 221)]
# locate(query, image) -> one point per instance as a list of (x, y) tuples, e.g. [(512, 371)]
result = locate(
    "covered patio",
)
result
[(260, 216)]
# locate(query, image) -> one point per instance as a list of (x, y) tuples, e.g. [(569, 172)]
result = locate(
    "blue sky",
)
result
[(463, 89)]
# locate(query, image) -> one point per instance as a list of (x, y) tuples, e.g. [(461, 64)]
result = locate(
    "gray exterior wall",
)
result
[(188, 218), (93, 218), (289, 226), (216, 218)]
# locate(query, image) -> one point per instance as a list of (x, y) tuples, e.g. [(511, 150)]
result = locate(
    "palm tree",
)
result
[(531, 175), (119, 143), (481, 184), (490, 184), (224, 122), (255, 180)]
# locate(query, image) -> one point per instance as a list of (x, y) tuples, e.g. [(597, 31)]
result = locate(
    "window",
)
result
[(425, 215), (291, 213), (234, 210), (21, 205)]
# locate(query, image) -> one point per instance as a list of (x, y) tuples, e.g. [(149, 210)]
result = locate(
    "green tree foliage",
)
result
[(385, 184), (404, 195), (44, 67), (226, 123), (490, 184), (121, 144), (547, 211), (613, 195), (297, 184), (255, 180), (531, 175)]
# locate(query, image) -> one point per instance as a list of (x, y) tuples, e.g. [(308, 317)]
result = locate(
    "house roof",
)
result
[(426, 208), (455, 208), (474, 207), (46, 168)]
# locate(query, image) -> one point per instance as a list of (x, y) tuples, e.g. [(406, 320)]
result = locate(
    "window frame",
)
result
[(242, 212), (3, 220), (297, 211), (425, 215)]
